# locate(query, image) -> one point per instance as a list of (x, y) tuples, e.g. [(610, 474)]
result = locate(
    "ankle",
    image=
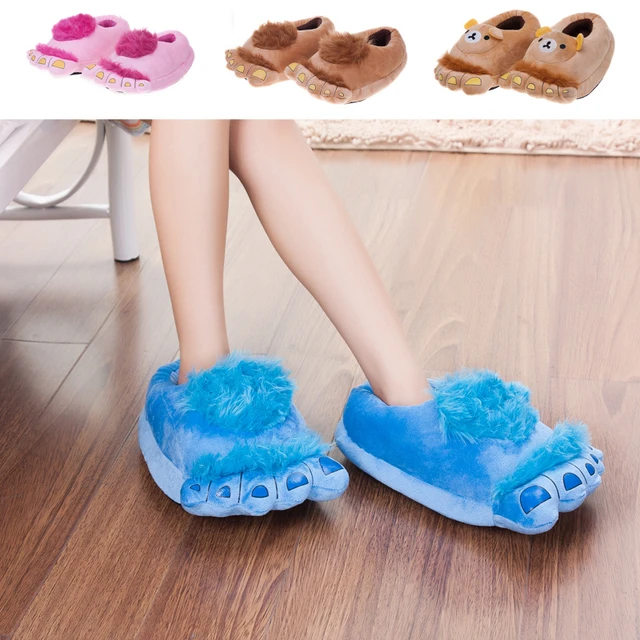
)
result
[(403, 391), (199, 361)]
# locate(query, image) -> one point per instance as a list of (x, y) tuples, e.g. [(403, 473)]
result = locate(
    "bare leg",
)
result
[(189, 174), (318, 242)]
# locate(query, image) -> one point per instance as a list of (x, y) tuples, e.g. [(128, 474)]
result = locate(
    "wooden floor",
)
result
[(528, 265)]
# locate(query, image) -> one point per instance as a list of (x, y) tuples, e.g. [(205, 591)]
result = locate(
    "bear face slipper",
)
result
[(78, 42), (566, 62), (486, 51), (351, 67), (476, 453), (264, 56), (143, 62), (230, 441)]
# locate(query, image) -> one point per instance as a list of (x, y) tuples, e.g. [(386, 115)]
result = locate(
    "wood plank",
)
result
[(31, 374), (598, 320), (584, 580), (46, 488)]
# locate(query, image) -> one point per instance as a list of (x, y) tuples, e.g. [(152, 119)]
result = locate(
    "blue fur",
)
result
[(474, 405), (241, 393), (270, 456), (567, 441)]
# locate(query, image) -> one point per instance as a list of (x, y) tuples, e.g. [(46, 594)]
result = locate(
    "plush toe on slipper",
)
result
[(143, 62), (565, 62), (485, 51), (351, 67), (230, 441), (78, 42), (263, 57), (476, 453)]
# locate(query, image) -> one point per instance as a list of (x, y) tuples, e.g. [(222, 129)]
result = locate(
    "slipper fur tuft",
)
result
[(254, 58), (137, 43), (275, 35), (74, 28), (454, 64), (343, 48)]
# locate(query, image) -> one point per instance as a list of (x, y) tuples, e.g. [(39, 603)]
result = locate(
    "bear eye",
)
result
[(486, 37), (540, 40), (563, 46)]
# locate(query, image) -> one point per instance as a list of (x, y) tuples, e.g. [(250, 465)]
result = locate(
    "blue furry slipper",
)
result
[(230, 441), (476, 453)]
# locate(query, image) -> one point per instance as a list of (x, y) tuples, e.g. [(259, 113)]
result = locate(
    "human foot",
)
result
[(230, 441), (476, 453), (485, 51), (78, 42), (264, 56), (143, 62)]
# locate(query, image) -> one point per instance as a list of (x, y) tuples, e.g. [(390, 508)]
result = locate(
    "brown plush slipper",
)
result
[(486, 51), (351, 67), (566, 62), (264, 56)]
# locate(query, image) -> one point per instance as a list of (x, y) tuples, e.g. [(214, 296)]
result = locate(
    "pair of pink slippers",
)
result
[(121, 59)]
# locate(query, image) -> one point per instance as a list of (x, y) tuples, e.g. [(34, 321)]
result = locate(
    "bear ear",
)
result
[(579, 42), (541, 31), (496, 33), (471, 23)]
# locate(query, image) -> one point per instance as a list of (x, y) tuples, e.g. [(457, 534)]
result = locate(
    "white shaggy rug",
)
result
[(564, 137)]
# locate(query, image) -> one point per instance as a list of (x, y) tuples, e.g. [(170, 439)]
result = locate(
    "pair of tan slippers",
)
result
[(335, 67), (511, 50)]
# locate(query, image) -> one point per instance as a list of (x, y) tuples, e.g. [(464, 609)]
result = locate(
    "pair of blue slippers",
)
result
[(230, 442)]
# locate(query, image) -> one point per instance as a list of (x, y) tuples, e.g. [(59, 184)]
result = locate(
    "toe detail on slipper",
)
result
[(293, 486), (330, 479), (567, 441), (531, 509)]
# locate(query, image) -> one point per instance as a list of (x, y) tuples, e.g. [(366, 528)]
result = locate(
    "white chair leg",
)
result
[(123, 228)]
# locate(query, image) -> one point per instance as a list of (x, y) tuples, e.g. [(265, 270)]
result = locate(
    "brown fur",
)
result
[(343, 48), (254, 58), (275, 35), (453, 64), (539, 72), (326, 77)]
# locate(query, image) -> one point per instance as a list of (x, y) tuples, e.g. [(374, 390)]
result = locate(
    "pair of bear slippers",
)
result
[(106, 50), (562, 63)]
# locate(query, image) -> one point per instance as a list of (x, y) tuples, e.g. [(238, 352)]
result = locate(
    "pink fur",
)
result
[(54, 51), (137, 43), (125, 72), (74, 28)]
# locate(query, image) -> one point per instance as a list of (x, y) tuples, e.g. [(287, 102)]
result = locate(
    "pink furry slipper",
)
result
[(78, 42), (143, 62)]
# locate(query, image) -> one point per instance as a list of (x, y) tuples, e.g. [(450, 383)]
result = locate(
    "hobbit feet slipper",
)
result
[(263, 57), (486, 51), (230, 441), (143, 62), (77, 42), (351, 67), (566, 62), (476, 453)]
